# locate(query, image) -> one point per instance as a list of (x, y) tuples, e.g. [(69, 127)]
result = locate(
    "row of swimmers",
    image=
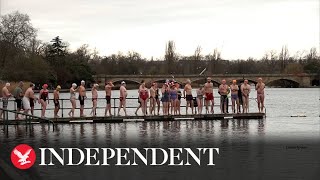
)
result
[(171, 96)]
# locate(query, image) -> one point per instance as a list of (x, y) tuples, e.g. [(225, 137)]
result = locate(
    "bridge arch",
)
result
[(283, 83)]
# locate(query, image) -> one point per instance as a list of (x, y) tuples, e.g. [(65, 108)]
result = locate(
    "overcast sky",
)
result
[(239, 28)]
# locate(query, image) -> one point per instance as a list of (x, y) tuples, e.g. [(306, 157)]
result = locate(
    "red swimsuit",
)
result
[(144, 94)]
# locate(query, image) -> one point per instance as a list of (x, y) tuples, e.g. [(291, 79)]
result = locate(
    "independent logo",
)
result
[(23, 156)]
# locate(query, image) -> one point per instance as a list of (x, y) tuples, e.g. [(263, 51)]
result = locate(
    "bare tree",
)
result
[(16, 34), (284, 57), (312, 55), (170, 56), (197, 53)]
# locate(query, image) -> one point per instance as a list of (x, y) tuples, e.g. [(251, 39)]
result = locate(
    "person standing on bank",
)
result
[(187, 93), (18, 95), (5, 97), (56, 97), (73, 90), (208, 89), (108, 89), (245, 89), (260, 94), (223, 91), (43, 98), (94, 92), (234, 96), (123, 98), (82, 97)]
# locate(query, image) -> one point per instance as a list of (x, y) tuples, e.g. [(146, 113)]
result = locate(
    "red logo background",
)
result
[(23, 148)]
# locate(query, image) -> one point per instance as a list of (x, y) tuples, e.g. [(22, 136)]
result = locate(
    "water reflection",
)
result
[(147, 133)]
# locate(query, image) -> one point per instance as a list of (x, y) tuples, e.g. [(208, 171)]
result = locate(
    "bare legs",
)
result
[(207, 104), (144, 106), (94, 107), (73, 104), (189, 104), (44, 107), (165, 108), (260, 99), (152, 108), (245, 106), (56, 110), (200, 105), (108, 109), (122, 104), (234, 102)]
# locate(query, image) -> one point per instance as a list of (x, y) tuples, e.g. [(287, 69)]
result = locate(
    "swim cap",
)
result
[(123, 82), (82, 82), (74, 85), (7, 84), (58, 87)]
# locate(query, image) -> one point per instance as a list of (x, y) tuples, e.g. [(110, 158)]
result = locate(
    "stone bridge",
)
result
[(289, 80)]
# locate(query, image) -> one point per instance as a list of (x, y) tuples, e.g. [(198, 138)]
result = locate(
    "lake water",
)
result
[(277, 126)]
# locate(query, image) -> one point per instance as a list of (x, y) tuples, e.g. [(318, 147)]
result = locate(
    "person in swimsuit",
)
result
[(260, 94), (56, 94), (5, 97), (123, 97), (136, 113), (152, 108), (234, 96), (173, 99), (143, 97), (208, 90), (224, 91), (245, 89), (108, 89), (200, 93), (240, 97), (82, 97), (187, 93), (18, 95), (165, 90), (43, 98), (73, 90), (94, 92), (28, 99), (179, 97), (157, 99)]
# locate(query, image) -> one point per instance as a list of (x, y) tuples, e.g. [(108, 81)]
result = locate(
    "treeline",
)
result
[(173, 63), (24, 57)]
